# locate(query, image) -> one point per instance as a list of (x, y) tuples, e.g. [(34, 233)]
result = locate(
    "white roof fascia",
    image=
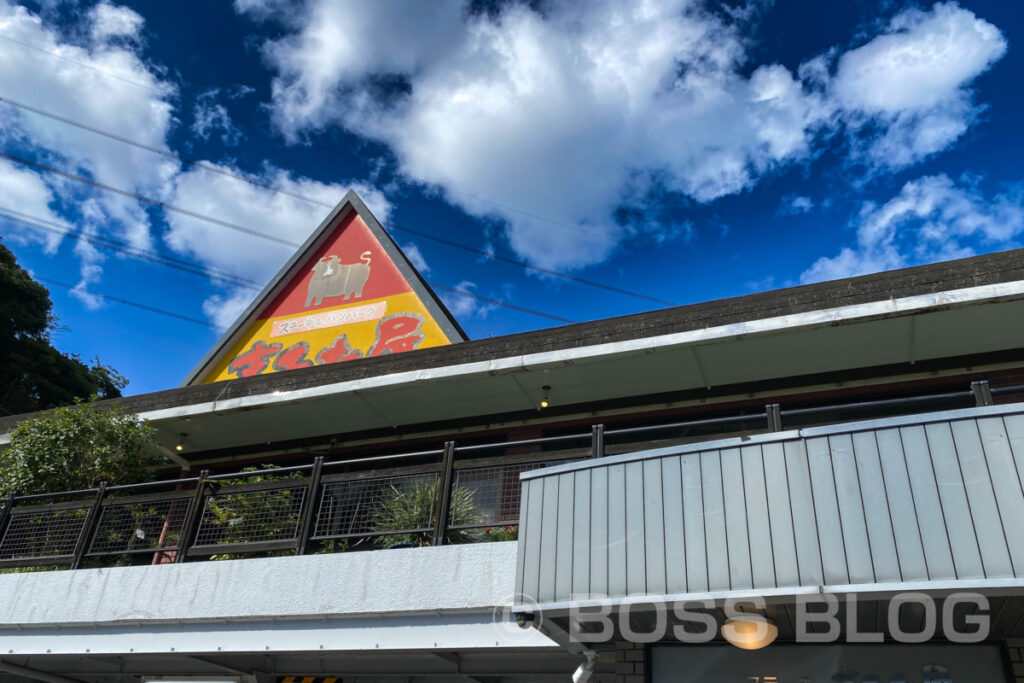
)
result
[(824, 317)]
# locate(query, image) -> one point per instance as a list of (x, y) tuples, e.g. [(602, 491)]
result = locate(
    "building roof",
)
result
[(499, 362)]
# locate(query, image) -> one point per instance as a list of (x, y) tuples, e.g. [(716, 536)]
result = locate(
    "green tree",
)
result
[(77, 447), (33, 374)]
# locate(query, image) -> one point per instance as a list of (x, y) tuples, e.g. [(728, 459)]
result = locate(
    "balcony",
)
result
[(457, 493)]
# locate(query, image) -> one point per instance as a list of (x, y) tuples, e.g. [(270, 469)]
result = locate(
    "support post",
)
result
[(597, 441), (85, 535), (982, 393), (191, 517), (6, 514), (309, 506), (448, 464), (774, 414)]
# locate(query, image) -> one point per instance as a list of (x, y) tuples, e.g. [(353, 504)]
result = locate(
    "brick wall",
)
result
[(1015, 648), (628, 665)]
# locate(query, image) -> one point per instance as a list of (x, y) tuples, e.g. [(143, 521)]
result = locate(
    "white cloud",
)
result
[(795, 204), (559, 117), (912, 83), (91, 258), (415, 256), (26, 193), (463, 306), (224, 310), (134, 101), (266, 211), (211, 117), (113, 21), (137, 103), (620, 98), (931, 219)]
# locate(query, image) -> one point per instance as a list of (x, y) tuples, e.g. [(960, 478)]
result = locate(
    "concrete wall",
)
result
[(452, 597), (415, 580)]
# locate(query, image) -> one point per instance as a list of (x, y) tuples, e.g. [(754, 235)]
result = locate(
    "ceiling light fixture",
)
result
[(750, 632), (181, 442), (544, 397)]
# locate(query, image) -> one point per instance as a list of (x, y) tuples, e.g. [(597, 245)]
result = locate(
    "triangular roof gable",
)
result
[(348, 292)]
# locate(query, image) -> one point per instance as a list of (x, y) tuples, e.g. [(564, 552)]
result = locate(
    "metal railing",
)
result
[(455, 494)]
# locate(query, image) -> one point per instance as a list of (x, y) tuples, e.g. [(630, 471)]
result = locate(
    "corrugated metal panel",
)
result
[(936, 497)]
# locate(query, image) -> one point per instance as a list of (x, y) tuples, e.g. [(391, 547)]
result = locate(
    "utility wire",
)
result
[(463, 292), (210, 219), (196, 269), (147, 200), (126, 249), (164, 153), (126, 302), (506, 259), (81, 64), (237, 176)]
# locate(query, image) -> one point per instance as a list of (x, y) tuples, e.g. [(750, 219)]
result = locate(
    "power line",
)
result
[(506, 259), (522, 309), (196, 269), (256, 233), (237, 176), (81, 64), (147, 200), (156, 150), (122, 248), (126, 302)]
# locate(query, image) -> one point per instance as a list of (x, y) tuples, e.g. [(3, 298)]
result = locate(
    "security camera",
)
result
[(581, 674), (584, 671)]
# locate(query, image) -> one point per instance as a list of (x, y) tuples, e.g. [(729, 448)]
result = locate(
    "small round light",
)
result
[(180, 447), (750, 632), (543, 404)]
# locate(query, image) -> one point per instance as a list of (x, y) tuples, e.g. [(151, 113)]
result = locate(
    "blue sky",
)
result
[(682, 150)]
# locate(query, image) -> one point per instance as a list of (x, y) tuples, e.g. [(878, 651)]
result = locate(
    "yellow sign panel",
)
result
[(409, 327), (352, 295)]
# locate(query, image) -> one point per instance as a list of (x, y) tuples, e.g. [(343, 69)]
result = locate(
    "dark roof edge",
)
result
[(989, 269)]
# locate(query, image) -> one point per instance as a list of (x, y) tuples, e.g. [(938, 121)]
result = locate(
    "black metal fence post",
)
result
[(597, 441), (309, 506), (191, 517), (982, 393), (6, 513), (441, 523), (773, 412), (88, 527)]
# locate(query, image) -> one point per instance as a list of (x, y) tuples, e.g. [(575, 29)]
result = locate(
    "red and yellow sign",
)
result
[(348, 300)]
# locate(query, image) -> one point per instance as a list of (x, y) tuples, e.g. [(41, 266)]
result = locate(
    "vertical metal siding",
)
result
[(694, 523), (581, 534), (942, 499), (675, 527)]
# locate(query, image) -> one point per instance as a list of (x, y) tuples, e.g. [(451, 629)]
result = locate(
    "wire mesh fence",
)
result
[(271, 514), (495, 493), (400, 505), (282, 509), (41, 532), (139, 526)]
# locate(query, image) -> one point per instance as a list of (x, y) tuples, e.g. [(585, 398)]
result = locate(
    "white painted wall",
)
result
[(410, 581)]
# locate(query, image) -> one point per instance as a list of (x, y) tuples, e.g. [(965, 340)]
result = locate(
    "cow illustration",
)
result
[(332, 278)]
